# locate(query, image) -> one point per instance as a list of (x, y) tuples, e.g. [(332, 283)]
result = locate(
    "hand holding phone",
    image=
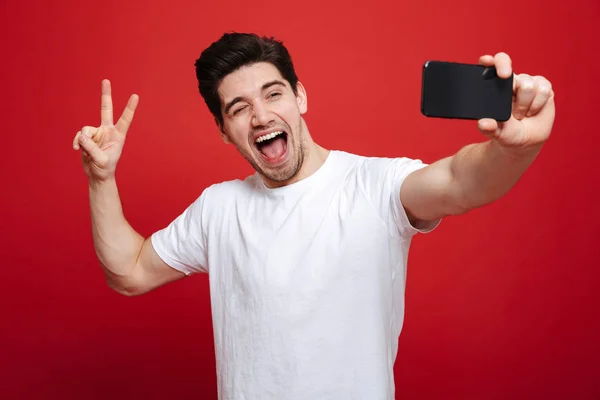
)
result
[(465, 91), (515, 110)]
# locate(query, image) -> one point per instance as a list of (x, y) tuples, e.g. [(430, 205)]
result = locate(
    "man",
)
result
[(306, 258)]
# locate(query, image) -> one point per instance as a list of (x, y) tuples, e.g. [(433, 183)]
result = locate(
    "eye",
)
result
[(274, 95), (238, 110)]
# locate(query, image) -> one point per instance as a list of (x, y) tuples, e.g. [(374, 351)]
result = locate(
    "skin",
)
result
[(260, 109), (476, 175), (482, 173)]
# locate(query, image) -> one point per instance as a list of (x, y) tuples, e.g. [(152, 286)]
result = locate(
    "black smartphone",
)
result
[(465, 91)]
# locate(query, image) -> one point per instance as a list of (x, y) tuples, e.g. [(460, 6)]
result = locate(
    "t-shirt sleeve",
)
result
[(383, 179), (182, 244)]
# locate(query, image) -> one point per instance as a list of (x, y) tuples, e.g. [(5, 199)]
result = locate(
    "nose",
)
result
[(262, 116)]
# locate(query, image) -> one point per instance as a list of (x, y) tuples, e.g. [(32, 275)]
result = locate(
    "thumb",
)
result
[(98, 156), (489, 127)]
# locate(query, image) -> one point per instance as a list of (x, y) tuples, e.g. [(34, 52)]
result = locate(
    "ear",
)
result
[(224, 134), (301, 98)]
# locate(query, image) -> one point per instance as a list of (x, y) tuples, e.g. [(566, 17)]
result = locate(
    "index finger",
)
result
[(106, 108), (486, 60), (503, 65)]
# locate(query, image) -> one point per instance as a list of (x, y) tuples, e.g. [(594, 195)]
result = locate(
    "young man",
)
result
[(306, 258)]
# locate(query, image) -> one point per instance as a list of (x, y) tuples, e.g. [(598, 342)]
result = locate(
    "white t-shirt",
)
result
[(307, 280)]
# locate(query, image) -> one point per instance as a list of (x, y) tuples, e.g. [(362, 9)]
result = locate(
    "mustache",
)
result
[(281, 127)]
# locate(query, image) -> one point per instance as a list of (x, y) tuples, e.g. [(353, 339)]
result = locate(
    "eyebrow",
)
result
[(263, 88)]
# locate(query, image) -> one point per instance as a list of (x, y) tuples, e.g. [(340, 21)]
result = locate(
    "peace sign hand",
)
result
[(101, 147)]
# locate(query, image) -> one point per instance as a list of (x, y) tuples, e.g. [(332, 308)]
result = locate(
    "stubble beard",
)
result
[(282, 175)]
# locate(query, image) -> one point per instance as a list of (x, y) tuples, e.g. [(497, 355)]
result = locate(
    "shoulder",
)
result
[(223, 192), (345, 157), (379, 167)]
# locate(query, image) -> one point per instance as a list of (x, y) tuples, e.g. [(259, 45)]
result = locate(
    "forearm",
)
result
[(484, 172), (117, 244)]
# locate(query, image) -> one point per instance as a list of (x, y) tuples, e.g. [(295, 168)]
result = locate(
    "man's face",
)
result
[(262, 117)]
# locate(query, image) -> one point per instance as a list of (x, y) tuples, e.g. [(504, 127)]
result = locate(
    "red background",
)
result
[(501, 302)]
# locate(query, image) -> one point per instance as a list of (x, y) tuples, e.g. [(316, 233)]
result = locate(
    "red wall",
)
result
[(501, 303)]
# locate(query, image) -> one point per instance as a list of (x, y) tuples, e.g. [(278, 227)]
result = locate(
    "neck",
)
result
[(314, 159)]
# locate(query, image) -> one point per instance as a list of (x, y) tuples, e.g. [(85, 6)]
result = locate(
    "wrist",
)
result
[(515, 152), (96, 183)]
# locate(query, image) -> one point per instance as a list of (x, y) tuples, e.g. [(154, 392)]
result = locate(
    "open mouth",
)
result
[(273, 147)]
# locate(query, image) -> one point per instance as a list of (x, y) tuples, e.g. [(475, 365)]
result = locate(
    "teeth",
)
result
[(267, 137)]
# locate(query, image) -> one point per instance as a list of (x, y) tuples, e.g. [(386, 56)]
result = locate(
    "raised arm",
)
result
[(130, 264), (481, 173)]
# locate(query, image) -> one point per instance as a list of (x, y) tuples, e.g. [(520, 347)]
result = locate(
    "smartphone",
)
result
[(465, 91)]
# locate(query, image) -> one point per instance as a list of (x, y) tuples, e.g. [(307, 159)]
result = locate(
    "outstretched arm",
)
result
[(481, 173)]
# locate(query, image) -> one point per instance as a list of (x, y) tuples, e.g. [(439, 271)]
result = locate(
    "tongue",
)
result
[(274, 149)]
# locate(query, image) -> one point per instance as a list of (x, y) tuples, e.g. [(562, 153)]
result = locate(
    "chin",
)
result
[(275, 157), (282, 171)]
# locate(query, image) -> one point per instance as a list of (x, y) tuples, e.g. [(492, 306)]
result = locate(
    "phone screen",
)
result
[(454, 90)]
